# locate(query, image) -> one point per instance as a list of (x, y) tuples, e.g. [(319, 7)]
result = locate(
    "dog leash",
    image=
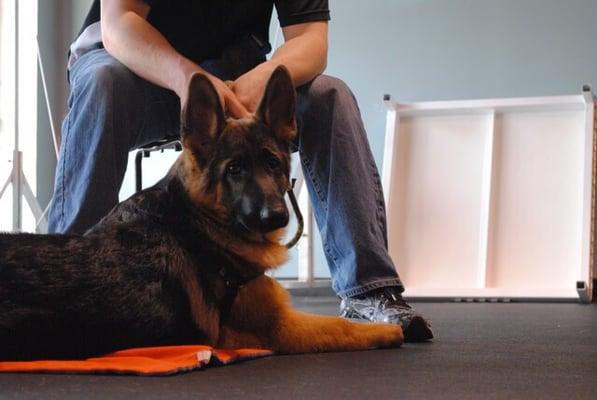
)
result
[(297, 212)]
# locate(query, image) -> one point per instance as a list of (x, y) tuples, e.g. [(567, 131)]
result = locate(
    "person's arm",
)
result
[(304, 53), (131, 39)]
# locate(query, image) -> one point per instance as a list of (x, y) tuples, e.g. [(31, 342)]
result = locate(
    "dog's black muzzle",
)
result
[(271, 219), (265, 218)]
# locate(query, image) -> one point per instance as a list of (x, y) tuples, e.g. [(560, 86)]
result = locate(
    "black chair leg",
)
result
[(138, 171), (172, 143)]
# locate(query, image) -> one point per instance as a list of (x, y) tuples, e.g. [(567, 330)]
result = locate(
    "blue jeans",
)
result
[(112, 111)]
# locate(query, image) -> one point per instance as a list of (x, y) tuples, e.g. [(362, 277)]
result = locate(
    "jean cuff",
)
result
[(367, 287)]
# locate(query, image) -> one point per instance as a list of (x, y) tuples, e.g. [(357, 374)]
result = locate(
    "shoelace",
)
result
[(388, 297)]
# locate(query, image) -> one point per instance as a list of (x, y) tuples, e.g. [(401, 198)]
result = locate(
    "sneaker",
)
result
[(387, 305)]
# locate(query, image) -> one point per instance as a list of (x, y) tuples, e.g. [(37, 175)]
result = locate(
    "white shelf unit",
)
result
[(492, 199)]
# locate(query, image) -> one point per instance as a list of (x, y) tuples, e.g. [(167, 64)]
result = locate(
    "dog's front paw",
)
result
[(376, 335), (390, 335)]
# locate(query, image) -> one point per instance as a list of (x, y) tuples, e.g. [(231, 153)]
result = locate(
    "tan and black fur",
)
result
[(182, 261)]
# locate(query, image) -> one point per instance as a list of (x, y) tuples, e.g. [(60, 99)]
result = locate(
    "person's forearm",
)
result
[(137, 44), (133, 41), (305, 55)]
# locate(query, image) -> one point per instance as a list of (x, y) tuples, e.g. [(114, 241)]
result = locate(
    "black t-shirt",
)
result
[(201, 29)]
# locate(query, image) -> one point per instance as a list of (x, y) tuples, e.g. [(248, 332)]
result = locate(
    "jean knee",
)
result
[(325, 89), (321, 104), (105, 81), (105, 100)]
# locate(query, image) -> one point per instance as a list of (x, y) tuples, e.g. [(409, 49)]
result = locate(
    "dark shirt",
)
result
[(200, 30)]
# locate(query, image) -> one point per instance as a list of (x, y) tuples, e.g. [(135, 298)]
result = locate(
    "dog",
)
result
[(182, 262)]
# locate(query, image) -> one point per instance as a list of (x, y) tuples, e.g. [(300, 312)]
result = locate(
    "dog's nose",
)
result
[(273, 218)]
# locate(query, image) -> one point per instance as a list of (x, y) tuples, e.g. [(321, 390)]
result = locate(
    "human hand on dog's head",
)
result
[(204, 118), (249, 87), (228, 100)]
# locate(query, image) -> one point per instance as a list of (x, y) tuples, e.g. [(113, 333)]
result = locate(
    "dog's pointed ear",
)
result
[(202, 116), (277, 105)]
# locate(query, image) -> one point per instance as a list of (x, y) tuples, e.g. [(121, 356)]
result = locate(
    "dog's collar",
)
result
[(233, 282)]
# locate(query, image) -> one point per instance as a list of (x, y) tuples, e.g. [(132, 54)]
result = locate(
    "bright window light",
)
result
[(27, 106)]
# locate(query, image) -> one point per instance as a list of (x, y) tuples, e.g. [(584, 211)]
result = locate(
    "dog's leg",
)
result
[(262, 317)]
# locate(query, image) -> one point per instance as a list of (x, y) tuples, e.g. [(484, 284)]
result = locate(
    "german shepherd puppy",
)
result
[(182, 262)]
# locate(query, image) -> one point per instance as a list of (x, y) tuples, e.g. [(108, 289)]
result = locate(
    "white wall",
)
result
[(460, 49)]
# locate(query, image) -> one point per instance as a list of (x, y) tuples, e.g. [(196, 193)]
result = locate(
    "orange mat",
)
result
[(148, 361)]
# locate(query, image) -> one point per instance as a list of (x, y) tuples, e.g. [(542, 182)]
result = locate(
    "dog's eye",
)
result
[(234, 168), (273, 163)]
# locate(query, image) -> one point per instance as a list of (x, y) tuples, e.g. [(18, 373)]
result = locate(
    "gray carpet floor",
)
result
[(482, 351)]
